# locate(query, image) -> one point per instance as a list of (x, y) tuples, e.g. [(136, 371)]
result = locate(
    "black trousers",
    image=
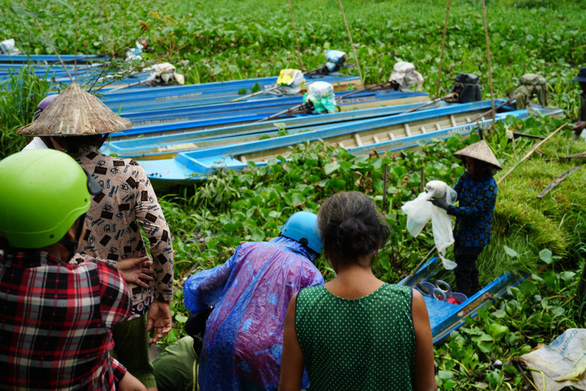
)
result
[(466, 272)]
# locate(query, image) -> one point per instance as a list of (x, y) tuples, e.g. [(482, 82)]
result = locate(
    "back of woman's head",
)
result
[(351, 226)]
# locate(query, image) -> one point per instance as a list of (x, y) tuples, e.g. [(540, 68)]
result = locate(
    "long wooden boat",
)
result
[(167, 98), (446, 317), (231, 88), (47, 58), (391, 133), (166, 140), (249, 111)]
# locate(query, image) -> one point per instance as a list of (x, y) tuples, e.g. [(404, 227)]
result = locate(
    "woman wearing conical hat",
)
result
[(79, 123), (477, 192)]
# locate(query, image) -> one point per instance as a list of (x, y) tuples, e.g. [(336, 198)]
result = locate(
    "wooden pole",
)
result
[(351, 43), (531, 152), (385, 189), (295, 31), (439, 72), (489, 65)]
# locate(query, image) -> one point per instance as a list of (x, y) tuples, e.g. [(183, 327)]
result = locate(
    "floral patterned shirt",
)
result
[(476, 201), (126, 204)]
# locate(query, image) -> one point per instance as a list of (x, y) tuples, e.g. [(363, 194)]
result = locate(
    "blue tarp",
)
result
[(250, 292)]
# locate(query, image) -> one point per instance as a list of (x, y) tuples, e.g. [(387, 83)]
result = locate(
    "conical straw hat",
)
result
[(75, 113), (479, 151)]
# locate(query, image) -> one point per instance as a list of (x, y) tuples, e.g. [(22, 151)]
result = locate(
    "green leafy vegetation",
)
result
[(224, 40)]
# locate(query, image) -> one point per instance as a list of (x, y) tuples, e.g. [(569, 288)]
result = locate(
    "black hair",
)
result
[(351, 226), (72, 143)]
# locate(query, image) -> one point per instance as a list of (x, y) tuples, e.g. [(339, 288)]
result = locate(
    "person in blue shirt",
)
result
[(250, 293), (477, 191)]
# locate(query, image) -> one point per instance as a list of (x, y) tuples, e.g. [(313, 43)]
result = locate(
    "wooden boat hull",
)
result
[(446, 317), (391, 133), (165, 141)]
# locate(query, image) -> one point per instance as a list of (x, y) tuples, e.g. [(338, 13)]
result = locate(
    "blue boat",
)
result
[(166, 140), (391, 133), (446, 317), (47, 58), (248, 111)]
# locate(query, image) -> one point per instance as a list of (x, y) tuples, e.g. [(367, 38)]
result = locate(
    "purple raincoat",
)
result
[(250, 292)]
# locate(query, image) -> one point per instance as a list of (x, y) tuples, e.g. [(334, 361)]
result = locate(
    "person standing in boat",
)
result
[(477, 191), (356, 332), (581, 123), (250, 292), (79, 123)]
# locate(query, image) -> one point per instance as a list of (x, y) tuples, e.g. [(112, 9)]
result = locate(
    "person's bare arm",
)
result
[(424, 364), (130, 383), (292, 357)]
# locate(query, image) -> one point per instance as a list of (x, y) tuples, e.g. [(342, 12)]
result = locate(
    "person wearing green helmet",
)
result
[(57, 318), (78, 123)]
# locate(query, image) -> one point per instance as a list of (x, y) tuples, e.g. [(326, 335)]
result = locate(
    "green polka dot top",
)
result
[(357, 344)]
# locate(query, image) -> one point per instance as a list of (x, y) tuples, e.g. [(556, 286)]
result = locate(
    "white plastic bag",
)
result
[(405, 74), (421, 210), (563, 362), (290, 81)]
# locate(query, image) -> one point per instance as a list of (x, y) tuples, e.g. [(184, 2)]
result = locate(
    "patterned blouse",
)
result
[(126, 204), (476, 201), (357, 344), (56, 323)]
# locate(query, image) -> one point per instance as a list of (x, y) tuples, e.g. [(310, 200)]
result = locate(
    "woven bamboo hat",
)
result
[(479, 151), (75, 112)]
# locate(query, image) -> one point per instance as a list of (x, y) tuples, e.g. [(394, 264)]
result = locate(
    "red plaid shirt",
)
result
[(55, 331)]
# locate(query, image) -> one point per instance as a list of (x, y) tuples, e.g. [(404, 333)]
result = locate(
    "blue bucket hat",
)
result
[(581, 75)]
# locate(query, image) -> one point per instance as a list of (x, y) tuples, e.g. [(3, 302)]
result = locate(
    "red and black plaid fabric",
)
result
[(56, 323)]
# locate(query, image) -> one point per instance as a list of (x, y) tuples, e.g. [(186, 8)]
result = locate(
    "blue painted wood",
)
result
[(181, 136), (47, 58), (188, 165), (446, 317), (256, 109)]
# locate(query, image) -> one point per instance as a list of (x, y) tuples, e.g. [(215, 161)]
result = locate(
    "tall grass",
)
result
[(19, 95)]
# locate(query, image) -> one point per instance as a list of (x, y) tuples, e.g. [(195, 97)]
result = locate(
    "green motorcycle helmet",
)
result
[(42, 193)]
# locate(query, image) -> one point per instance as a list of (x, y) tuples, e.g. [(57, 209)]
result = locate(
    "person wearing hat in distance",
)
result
[(581, 123), (57, 318), (40, 142), (477, 191), (79, 123), (250, 293)]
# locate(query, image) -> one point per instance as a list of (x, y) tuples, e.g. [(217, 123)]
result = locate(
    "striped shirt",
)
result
[(56, 322)]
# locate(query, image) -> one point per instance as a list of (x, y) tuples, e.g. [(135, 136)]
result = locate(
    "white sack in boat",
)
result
[(405, 74), (290, 81), (164, 73)]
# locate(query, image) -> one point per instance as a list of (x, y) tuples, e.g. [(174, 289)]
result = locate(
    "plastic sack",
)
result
[(321, 95), (250, 293), (406, 76), (420, 211), (563, 362), (336, 59), (9, 47), (290, 81), (164, 73)]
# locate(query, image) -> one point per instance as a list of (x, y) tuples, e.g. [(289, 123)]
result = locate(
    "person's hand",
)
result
[(577, 128), (159, 320), (136, 270), (440, 202)]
